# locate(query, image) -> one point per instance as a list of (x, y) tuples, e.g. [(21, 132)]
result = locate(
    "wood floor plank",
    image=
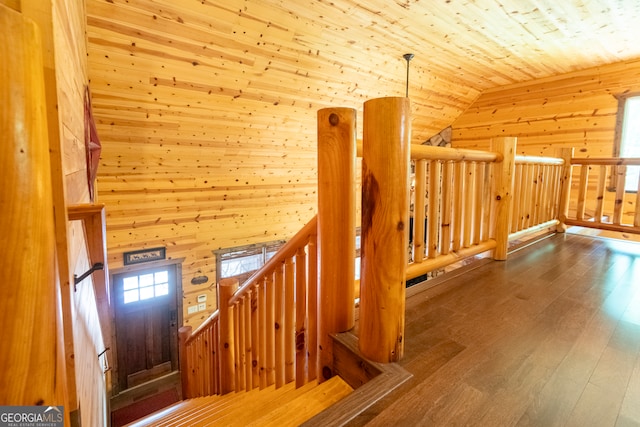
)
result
[(550, 337)]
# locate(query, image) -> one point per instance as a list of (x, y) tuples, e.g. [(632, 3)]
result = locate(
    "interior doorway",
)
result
[(147, 318)]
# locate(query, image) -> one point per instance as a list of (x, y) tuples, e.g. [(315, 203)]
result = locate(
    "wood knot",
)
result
[(334, 119)]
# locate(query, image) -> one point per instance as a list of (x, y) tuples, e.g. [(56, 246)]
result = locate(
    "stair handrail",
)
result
[(300, 239)]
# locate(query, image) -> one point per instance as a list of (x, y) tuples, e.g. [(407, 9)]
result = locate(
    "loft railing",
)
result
[(598, 198), (537, 187), (452, 206)]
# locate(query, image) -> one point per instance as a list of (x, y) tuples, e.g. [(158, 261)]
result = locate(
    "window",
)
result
[(629, 137), (145, 286), (242, 261)]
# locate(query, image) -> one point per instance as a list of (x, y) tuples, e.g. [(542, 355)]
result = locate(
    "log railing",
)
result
[(597, 198), (453, 206), (537, 186), (263, 332)]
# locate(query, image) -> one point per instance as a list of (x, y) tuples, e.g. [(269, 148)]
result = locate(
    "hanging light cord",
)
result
[(408, 57)]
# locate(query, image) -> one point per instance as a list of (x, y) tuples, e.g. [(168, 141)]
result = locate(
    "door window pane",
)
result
[(145, 286)]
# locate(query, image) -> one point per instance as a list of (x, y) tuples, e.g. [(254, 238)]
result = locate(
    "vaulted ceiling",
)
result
[(266, 64)]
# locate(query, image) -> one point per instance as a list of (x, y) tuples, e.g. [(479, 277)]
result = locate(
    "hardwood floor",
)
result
[(551, 337)]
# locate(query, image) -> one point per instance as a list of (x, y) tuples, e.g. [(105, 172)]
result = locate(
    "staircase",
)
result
[(286, 406)]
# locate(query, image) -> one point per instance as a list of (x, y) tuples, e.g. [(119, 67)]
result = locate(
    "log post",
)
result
[(385, 216), (30, 299), (336, 229), (565, 189), (183, 334), (503, 193), (226, 289)]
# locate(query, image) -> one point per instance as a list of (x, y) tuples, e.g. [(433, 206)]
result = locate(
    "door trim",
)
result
[(177, 263)]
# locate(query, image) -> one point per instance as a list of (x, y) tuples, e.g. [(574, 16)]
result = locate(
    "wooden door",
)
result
[(146, 325)]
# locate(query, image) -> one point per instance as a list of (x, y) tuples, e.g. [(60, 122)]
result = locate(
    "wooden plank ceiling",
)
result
[(207, 108), (271, 63)]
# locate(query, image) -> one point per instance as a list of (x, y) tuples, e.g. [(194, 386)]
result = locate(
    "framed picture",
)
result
[(144, 255)]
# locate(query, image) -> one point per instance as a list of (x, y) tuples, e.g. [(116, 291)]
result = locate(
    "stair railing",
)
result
[(264, 330)]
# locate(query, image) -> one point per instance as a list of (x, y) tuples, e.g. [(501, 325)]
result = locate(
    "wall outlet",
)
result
[(202, 306)]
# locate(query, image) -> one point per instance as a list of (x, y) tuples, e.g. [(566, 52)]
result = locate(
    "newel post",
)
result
[(226, 289), (336, 228), (565, 182), (385, 225), (183, 335), (503, 193)]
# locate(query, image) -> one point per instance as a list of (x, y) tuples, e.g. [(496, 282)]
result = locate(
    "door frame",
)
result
[(177, 264)]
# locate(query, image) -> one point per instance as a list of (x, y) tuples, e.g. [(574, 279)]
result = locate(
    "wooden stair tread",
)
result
[(174, 414), (306, 405), (244, 414), (284, 406)]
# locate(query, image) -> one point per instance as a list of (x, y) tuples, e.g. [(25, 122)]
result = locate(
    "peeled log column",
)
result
[(336, 228), (385, 217), (28, 282)]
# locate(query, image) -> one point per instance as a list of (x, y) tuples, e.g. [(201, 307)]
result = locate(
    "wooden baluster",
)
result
[(565, 188), (256, 337), (183, 334), (582, 191), (503, 193), (226, 289), (336, 227), (289, 330), (420, 197), (301, 341), (487, 202), (458, 207), (538, 185), (262, 325), (312, 304), (445, 232), (206, 363), (385, 215), (469, 206), (434, 208), (241, 365), (270, 327), (600, 193), (527, 190), (478, 209), (518, 199), (215, 352), (621, 177), (278, 326), (248, 337)]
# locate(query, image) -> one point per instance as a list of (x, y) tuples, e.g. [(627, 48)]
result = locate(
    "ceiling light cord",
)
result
[(408, 57)]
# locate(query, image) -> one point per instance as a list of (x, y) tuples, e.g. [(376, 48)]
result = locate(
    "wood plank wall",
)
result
[(571, 110)]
